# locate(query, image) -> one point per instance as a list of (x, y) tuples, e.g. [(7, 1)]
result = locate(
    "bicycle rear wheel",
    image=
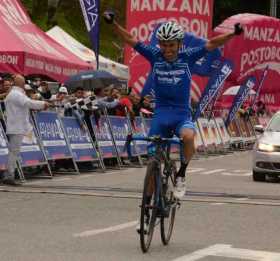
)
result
[(148, 207), (167, 221)]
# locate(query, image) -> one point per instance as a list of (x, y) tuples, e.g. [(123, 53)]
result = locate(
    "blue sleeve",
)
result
[(148, 51), (196, 53)]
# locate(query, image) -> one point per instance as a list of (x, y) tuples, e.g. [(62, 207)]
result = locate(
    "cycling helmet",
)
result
[(170, 31)]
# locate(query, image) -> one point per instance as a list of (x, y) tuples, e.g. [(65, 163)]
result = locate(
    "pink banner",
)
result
[(143, 16), (251, 52), (28, 50)]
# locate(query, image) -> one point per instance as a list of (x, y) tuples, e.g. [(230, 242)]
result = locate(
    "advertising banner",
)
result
[(195, 16), (30, 151), (103, 137), (223, 130), (254, 50), (214, 84), (240, 98), (3, 150), (52, 136), (79, 140), (120, 130), (140, 129), (90, 9)]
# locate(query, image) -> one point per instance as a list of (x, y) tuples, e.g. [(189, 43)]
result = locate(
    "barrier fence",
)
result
[(62, 138)]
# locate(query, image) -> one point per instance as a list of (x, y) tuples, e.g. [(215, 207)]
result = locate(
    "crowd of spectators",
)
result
[(67, 102)]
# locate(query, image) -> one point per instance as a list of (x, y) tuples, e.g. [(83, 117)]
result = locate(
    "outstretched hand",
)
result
[(238, 29), (109, 16)]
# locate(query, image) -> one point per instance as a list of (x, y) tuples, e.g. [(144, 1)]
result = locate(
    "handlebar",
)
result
[(157, 140)]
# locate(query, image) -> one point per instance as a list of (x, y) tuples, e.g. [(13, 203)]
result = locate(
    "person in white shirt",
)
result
[(18, 107)]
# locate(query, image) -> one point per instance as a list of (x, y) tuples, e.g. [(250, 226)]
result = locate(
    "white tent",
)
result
[(58, 34)]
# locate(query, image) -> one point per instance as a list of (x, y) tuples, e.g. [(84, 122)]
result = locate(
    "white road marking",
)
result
[(221, 250), (94, 232), (193, 170), (212, 171), (217, 204), (245, 174)]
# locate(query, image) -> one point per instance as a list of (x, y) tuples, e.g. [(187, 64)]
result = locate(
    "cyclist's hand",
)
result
[(238, 29), (109, 16)]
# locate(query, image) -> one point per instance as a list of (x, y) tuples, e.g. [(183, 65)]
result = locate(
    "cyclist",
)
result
[(171, 73)]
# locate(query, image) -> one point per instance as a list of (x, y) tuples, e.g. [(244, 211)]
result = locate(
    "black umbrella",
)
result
[(92, 80)]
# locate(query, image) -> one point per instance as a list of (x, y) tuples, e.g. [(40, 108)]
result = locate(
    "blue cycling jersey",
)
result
[(171, 79)]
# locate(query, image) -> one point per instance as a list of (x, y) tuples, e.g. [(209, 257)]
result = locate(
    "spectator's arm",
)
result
[(109, 105)]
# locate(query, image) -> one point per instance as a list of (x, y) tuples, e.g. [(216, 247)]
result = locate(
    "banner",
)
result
[(214, 84), (140, 130), (30, 151), (103, 137), (79, 140), (52, 136), (3, 150), (240, 98), (120, 130), (90, 10), (260, 86), (254, 50), (143, 16)]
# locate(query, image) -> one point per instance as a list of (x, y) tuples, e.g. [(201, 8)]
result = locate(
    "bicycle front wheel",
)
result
[(148, 207), (167, 220)]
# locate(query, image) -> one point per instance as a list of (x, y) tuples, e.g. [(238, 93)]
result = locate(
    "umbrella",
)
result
[(92, 80), (233, 90)]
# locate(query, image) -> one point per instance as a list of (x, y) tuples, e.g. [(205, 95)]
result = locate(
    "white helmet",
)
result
[(170, 31)]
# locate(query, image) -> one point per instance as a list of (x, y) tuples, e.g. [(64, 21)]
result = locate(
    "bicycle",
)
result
[(158, 200)]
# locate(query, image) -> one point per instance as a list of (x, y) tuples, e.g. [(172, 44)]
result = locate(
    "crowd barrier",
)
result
[(57, 138)]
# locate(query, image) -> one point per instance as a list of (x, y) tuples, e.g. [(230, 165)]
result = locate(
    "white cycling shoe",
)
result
[(180, 188)]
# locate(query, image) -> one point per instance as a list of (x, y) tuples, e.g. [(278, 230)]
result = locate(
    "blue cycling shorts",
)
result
[(167, 122)]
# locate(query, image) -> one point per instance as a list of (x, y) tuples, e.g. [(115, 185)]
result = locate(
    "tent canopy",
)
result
[(87, 55), (28, 50)]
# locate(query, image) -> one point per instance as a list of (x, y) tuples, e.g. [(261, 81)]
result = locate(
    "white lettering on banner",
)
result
[(34, 63), (81, 146), (29, 148), (77, 135), (54, 143), (267, 98), (9, 59), (262, 34), (200, 7), (196, 26), (260, 55), (50, 130), (53, 68)]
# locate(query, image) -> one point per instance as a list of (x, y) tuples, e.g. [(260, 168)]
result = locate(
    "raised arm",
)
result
[(125, 35), (222, 39)]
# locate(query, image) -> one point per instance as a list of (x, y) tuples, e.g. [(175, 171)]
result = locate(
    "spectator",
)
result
[(18, 123), (105, 101), (5, 88), (261, 109), (59, 100), (76, 112), (45, 91), (124, 103)]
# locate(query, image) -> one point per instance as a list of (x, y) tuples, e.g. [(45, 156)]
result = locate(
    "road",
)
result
[(224, 216)]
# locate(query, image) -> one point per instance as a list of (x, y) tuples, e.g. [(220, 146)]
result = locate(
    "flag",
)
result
[(90, 9), (214, 84), (265, 71), (240, 97)]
